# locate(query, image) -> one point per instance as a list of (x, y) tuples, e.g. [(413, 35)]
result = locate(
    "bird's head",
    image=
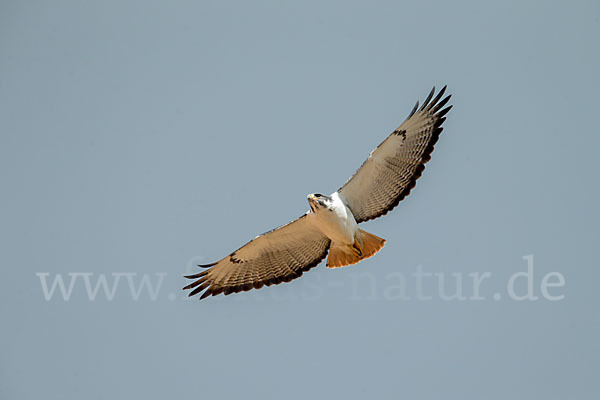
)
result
[(317, 201)]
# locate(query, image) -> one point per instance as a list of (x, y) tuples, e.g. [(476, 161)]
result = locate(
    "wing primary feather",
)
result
[(413, 110), (207, 265), (437, 98), (427, 99), (195, 283), (199, 289), (441, 104), (444, 112), (198, 275)]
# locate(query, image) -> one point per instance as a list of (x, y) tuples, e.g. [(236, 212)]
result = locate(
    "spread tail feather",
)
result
[(342, 255), (371, 244)]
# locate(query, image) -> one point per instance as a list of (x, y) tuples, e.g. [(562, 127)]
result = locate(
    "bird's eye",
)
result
[(318, 195)]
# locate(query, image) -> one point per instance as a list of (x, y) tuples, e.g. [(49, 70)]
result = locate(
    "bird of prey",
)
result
[(331, 224)]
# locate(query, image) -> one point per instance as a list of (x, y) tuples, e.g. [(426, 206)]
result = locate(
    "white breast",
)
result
[(338, 223)]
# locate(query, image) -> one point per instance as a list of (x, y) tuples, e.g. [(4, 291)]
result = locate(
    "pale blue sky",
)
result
[(141, 137)]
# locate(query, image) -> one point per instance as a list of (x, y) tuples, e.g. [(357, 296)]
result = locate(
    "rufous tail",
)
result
[(342, 255)]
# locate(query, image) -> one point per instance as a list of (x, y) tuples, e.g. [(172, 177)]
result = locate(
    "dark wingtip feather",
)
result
[(205, 294), (414, 110), (444, 111), (441, 104), (207, 265), (426, 102), (194, 284), (434, 102), (199, 289), (196, 276)]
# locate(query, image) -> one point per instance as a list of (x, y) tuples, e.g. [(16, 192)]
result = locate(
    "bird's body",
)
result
[(331, 224), (333, 218), (349, 243)]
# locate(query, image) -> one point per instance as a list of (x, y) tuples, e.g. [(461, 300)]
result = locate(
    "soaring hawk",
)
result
[(330, 226)]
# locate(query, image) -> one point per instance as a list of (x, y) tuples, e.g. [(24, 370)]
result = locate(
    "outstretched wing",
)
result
[(277, 256), (392, 169)]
